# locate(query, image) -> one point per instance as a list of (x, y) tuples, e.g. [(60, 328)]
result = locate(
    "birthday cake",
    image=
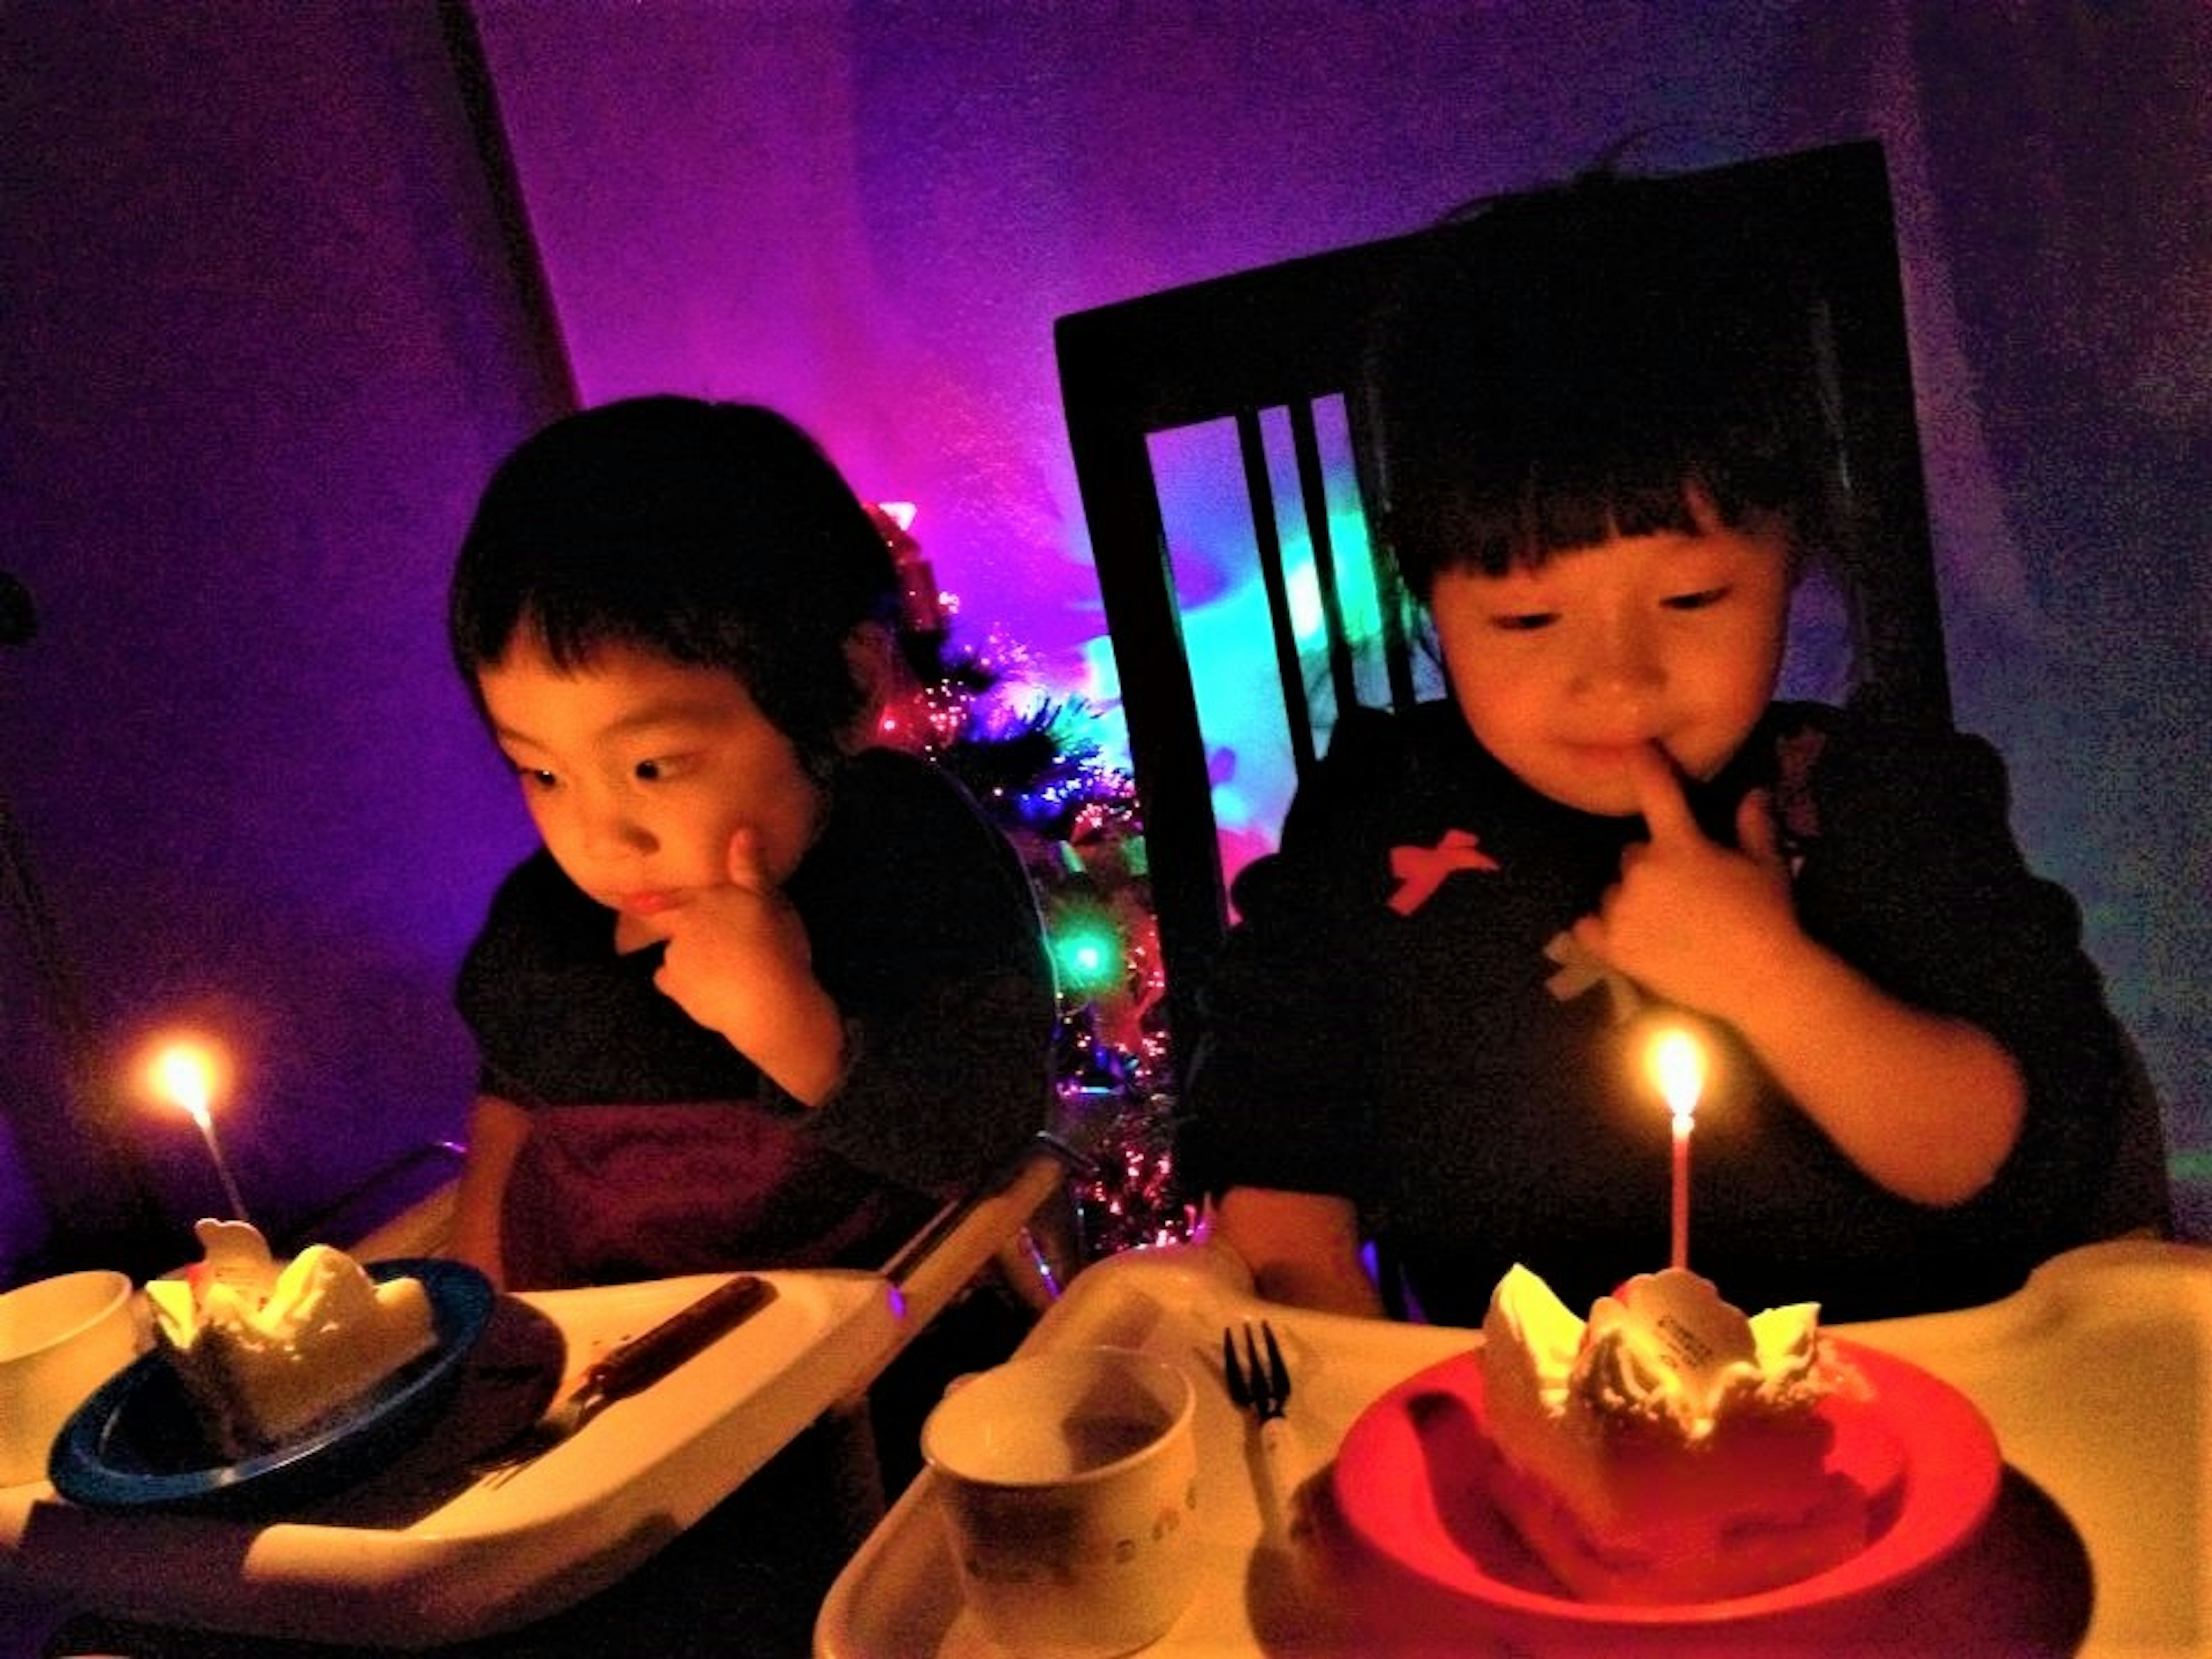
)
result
[(267, 1353), (1668, 1448)]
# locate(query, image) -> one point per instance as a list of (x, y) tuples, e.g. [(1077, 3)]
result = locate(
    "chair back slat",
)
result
[(1268, 547), (1313, 491), (1393, 611)]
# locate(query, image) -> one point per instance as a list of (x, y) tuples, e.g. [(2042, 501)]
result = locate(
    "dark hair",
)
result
[(717, 535), (1576, 363)]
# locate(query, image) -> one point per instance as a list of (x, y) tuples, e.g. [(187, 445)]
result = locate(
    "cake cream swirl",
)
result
[(268, 1352), (1665, 1352)]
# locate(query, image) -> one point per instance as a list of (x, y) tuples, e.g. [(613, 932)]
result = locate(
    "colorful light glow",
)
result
[(1221, 602), (1087, 949)]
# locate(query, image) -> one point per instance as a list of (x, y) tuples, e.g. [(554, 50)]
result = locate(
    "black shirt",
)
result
[(1423, 1066), (657, 1148)]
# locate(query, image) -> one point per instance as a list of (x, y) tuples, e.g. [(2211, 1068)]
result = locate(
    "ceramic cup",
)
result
[(60, 1339), (1069, 1482)]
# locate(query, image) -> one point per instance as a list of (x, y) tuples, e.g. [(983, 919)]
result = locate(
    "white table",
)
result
[(468, 1558), (2097, 1377)]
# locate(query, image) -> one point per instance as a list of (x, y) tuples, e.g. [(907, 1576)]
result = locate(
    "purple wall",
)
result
[(264, 343), (263, 349)]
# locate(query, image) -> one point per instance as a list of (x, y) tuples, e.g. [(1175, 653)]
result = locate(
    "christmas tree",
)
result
[(1034, 762)]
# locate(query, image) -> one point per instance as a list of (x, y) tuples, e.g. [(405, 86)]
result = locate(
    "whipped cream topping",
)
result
[(1666, 1351), (267, 1350), (1530, 1327), (320, 1289)]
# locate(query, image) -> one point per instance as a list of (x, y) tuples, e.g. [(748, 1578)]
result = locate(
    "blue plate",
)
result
[(138, 1443)]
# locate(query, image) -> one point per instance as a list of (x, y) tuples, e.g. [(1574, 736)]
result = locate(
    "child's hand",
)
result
[(738, 963), (1691, 919)]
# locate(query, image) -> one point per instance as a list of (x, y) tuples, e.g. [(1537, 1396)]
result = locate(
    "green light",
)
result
[(1086, 949)]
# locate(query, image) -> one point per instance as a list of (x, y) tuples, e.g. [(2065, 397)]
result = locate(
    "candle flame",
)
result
[(183, 1073), (1677, 1065)]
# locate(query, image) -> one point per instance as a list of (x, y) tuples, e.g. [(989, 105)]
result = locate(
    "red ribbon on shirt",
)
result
[(1421, 870)]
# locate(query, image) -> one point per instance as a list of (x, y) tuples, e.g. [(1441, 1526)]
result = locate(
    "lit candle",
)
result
[(1677, 1065), (184, 1074)]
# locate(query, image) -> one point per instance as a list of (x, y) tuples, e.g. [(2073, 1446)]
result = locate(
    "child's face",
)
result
[(637, 770), (1668, 639)]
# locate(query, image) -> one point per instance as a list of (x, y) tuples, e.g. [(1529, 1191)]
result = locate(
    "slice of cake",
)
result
[(1667, 1450), (268, 1353)]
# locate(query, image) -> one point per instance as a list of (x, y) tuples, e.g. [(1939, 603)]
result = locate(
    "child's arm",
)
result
[(738, 962), (924, 922), (497, 1129), (1303, 1249), (1927, 1105)]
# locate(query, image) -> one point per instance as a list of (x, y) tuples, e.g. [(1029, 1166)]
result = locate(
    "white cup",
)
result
[(1069, 1482), (60, 1339)]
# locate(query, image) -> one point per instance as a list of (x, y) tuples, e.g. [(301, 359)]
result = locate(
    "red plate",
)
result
[(1408, 1488)]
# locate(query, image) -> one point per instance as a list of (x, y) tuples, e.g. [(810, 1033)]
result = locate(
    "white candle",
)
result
[(184, 1074), (1677, 1065)]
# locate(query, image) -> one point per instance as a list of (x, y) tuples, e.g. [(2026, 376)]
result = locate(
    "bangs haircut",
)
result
[(1580, 367), (715, 535)]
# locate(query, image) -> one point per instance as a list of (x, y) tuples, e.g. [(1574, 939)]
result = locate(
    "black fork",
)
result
[(1261, 1389)]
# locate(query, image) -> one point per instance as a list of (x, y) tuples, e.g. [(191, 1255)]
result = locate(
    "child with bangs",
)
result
[(768, 994), (1606, 469)]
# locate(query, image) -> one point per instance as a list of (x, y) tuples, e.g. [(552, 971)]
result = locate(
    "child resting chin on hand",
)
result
[(767, 995)]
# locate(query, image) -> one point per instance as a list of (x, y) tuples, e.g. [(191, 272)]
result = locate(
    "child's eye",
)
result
[(662, 768), (535, 777), (1524, 622), (1702, 599)]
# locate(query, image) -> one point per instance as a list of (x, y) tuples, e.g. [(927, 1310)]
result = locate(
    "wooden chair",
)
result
[(1275, 359)]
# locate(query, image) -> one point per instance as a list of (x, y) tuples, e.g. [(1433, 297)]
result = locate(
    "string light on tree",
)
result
[(1032, 759), (1087, 950)]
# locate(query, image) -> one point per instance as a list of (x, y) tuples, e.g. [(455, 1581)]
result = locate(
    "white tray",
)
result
[(485, 1557), (2097, 1377)]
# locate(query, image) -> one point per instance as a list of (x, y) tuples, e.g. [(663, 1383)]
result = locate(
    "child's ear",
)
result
[(871, 656)]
